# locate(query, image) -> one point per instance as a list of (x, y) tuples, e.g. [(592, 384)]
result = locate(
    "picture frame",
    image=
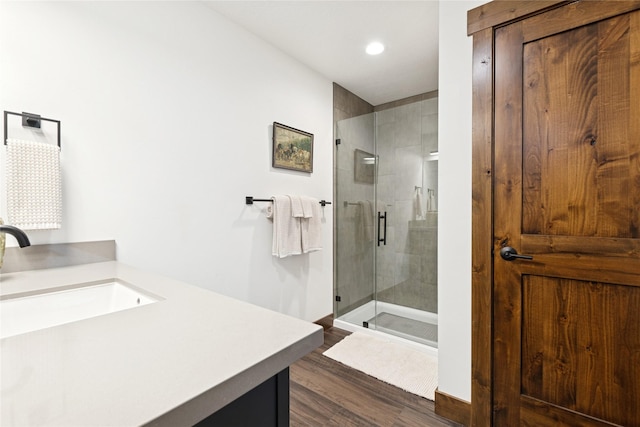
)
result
[(292, 148)]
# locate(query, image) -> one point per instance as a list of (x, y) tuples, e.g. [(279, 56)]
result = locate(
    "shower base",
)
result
[(413, 327)]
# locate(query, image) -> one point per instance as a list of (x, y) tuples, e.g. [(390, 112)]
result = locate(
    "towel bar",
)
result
[(250, 199), (29, 120)]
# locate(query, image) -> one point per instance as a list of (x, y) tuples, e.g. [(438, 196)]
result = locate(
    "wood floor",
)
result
[(327, 393)]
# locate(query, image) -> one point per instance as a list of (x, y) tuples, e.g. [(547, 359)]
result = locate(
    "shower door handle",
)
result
[(386, 216), (380, 218)]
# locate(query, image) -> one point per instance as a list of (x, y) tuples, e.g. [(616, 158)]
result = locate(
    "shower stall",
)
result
[(386, 217)]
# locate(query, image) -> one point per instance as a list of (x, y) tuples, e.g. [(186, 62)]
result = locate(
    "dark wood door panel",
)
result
[(591, 259), (535, 413), (581, 141), (534, 243), (581, 347), (592, 269)]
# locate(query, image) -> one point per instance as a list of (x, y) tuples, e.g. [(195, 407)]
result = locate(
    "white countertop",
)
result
[(169, 363)]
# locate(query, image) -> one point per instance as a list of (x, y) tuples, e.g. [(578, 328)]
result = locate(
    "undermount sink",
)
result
[(26, 313)]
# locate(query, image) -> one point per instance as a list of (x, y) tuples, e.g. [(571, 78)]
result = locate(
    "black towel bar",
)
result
[(29, 120), (250, 199)]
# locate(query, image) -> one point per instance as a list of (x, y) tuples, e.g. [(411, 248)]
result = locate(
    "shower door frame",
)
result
[(342, 297)]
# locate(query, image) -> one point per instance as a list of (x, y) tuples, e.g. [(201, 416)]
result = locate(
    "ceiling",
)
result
[(330, 36)]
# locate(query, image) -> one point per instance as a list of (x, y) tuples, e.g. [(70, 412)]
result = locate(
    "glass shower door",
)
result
[(406, 270), (355, 219)]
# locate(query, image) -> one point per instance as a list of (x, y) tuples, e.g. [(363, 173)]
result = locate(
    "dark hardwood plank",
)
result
[(327, 393)]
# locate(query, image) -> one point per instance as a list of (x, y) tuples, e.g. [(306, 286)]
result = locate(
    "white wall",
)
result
[(454, 231), (166, 111)]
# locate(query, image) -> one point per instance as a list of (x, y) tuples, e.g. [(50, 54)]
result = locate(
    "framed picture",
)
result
[(364, 166), (292, 148)]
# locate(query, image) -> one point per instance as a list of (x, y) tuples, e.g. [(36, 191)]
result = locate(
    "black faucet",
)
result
[(20, 235)]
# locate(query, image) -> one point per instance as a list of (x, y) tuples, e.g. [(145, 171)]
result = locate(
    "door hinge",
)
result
[(338, 141), (365, 324), (338, 299)]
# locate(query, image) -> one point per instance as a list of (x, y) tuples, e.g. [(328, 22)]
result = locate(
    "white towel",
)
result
[(431, 201), (419, 203), (311, 225), (287, 238), (34, 185), (2, 244), (365, 220), (308, 206), (296, 206)]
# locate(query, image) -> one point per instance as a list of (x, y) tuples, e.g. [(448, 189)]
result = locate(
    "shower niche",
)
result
[(386, 218)]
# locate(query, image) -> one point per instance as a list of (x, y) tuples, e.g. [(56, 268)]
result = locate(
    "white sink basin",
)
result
[(22, 314)]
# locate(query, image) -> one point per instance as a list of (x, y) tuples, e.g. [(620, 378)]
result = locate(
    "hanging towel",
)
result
[(311, 225), (308, 206), (296, 206), (419, 203), (2, 243), (287, 238), (431, 201), (34, 187), (365, 220)]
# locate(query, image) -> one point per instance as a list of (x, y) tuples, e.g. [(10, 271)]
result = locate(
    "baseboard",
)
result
[(326, 322), (455, 409)]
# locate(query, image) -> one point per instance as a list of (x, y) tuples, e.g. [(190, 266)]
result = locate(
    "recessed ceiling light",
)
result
[(375, 48)]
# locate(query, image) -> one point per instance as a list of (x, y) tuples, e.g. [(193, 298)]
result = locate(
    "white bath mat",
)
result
[(389, 361)]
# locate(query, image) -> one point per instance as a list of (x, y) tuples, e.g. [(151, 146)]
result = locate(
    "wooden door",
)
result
[(566, 331)]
